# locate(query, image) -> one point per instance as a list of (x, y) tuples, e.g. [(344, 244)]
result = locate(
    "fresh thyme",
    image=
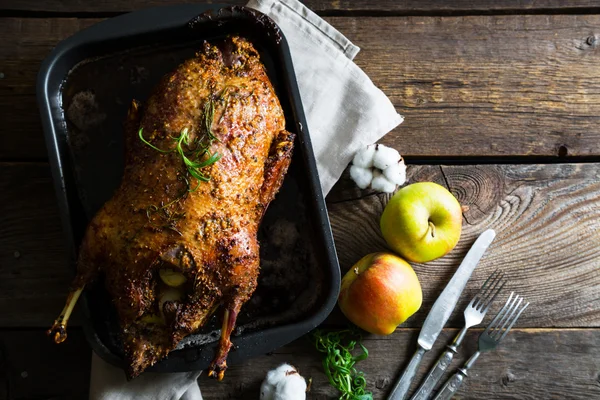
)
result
[(338, 363), (167, 218)]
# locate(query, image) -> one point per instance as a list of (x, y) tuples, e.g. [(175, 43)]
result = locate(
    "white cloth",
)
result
[(109, 383), (344, 111)]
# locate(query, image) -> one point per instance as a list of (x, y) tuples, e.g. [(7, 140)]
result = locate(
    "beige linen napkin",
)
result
[(344, 111)]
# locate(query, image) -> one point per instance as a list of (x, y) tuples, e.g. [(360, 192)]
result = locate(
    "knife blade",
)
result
[(441, 310)]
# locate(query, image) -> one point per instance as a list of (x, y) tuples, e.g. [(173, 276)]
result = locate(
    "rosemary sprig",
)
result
[(338, 363), (195, 155), (191, 153)]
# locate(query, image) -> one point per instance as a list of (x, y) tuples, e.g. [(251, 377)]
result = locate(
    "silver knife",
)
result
[(440, 312)]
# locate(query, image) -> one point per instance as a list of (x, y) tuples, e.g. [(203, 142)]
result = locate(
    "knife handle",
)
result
[(402, 386), (435, 375)]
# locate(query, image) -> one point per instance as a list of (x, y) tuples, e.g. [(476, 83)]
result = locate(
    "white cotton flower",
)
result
[(267, 389), (283, 383), (385, 157), (396, 173), (378, 166), (361, 176), (293, 387), (381, 183), (364, 157)]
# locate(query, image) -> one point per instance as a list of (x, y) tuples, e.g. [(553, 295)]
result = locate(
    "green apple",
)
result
[(380, 292), (422, 222)]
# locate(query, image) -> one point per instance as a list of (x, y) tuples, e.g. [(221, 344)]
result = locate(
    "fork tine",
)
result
[(493, 298), (505, 316), (492, 324), (490, 290), (496, 290), (508, 316), (482, 292), (472, 302), (513, 321)]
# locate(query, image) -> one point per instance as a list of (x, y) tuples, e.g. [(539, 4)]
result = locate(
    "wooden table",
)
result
[(502, 106)]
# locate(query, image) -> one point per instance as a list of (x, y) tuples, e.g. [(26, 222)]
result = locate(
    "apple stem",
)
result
[(432, 226)]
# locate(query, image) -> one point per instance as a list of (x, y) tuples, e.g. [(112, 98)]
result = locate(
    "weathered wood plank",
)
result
[(468, 86), (31, 41), (521, 368), (407, 6), (33, 367), (529, 364), (545, 215), (34, 272)]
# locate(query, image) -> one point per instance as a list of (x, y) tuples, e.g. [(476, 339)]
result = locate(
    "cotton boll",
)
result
[(293, 387), (283, 383), (364, 157), (396, 173), (361, 176), (381, 183), (267, 389), (385, 156)]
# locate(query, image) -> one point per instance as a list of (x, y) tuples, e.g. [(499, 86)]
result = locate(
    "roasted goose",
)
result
[(204, 157)]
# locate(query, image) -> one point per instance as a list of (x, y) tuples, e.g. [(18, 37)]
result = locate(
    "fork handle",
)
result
[(451, 386), (402, 386), (435, 374)]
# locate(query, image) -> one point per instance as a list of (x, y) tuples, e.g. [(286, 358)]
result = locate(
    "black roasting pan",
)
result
[(84, 88)]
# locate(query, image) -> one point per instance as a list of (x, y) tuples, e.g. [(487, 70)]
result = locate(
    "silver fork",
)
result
[(488, 340), (474, 314)]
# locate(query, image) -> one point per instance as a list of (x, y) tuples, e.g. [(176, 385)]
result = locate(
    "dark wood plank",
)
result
[(529, 364), (32, 367), (523, 367), (34, 272), (468, 86), (31, 41), (545, 215), (323, 6), (485, 85), (547, 240)]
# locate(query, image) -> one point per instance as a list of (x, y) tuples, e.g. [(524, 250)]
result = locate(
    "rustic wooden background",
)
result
[(502, 106)]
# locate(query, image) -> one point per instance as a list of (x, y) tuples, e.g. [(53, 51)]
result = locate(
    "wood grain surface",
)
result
[(323, 6), (553, 365), (33, 367), (503, 81), (498, 86), (34, 268), (546, 219), (545, 216)]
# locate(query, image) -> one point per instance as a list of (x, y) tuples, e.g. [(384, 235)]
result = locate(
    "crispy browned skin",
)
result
[(154, 222)]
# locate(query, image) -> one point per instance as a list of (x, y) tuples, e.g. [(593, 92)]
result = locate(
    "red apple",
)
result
[(380, 292)]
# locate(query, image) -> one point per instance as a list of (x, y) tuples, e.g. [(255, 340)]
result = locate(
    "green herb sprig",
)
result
[(191, 153), (167, 217), (195, 155), (338, 362)]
